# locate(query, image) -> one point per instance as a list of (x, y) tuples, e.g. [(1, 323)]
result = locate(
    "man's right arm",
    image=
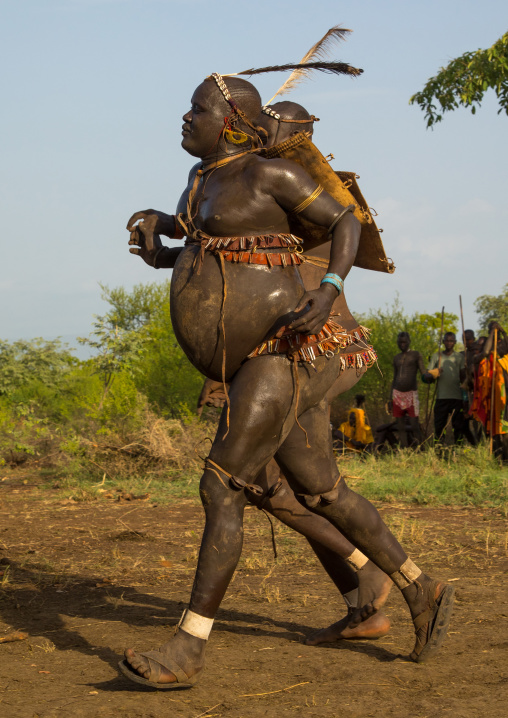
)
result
[(395, 372), (427, 376), (156, 221), (421, 365), (145, 228), (145, 238), (167, 257)]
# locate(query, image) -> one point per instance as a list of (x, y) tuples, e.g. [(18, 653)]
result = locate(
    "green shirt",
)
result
[(448, 384)]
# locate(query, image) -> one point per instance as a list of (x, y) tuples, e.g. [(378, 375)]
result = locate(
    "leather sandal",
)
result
[(432, 624), (157, 661)]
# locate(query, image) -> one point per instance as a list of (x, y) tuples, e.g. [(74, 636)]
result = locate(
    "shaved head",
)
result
[(279, 131), (243, 93)]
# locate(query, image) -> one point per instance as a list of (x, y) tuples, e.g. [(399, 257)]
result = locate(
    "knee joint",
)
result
[(322, 499)]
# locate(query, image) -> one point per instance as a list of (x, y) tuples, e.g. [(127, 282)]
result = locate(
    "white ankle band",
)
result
[(196, 625), (357, 560), (406, 575), (351, 598)]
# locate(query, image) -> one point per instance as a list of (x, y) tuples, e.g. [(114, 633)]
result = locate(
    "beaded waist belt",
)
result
[(267, 249), (330, 340)]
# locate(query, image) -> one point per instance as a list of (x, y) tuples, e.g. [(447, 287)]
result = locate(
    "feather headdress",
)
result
[(317, 52), (311, 61)]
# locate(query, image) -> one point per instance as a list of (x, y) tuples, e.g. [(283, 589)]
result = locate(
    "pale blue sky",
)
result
[(93, 94)]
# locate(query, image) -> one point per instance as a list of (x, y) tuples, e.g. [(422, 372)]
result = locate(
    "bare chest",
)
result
[(228, 204)]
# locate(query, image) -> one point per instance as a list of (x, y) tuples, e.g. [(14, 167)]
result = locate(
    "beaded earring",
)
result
[(236, 137)]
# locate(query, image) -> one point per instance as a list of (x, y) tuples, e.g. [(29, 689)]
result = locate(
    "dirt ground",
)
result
[(84, 580)]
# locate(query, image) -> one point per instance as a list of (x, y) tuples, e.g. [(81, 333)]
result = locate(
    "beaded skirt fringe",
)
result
[(330, 340)]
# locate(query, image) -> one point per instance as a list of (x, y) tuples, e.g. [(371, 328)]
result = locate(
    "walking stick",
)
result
[(469, 393), (440, 340), (427, 409), (492, 394), (462, 321), (429, 412)]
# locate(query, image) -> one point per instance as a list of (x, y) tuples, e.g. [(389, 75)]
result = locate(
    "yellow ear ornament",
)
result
[(236, 137)]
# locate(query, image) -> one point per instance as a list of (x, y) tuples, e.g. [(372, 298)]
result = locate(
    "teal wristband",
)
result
[(335, 280)]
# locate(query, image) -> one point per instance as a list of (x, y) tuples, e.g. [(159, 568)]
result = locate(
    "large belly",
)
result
[(258, 300)]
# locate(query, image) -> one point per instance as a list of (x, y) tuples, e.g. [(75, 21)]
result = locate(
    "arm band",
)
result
[(303, 205), (334, 279), (349, 208)]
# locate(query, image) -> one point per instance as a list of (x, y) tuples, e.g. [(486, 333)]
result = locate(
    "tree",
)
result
[(117, 349), (37, 360), (489, 307), (465, 80), (163, 373), (134, 309)]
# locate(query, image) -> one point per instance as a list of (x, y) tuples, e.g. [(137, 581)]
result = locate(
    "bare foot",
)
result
[(375, 626), (180, 660), (373, 589), (373, 586)]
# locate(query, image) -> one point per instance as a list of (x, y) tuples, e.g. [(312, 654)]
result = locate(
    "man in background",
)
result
[(469, 352), (450, 369), (404, 395), (490, 404), (355, 433)]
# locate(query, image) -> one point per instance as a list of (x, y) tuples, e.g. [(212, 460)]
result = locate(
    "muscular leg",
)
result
[(262, 414), (460, 426), (441, 413), (355, 517), (359, 586), (261, 419), (330, 546), (401, 430), (417, 432)]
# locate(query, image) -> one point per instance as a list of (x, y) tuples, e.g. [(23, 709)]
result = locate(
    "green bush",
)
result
[(385, 324), (162, 372)]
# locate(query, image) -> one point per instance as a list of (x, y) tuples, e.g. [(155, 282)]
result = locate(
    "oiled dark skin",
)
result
[(252, 196), (261, 299), (405, 372), (406, 366), (330, 546)]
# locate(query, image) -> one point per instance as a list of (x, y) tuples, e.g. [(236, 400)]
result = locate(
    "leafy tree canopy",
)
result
[(134, 309), (489, 307), (162, 372), (23, 362), (465, 80)]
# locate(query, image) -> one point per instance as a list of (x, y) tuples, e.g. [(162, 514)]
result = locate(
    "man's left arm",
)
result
[(298, 193)]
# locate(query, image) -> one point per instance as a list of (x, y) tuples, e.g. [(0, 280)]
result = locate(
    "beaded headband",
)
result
[(223, 88), (267, 110)]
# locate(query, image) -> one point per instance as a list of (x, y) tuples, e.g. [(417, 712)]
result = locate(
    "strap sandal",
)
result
[(432, 624), (157, 661)]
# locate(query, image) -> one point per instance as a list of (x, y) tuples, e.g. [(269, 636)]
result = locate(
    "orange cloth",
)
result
[(481, 407)]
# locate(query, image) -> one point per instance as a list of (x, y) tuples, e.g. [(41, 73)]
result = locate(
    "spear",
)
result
[(492, 394), (440, 340), (427, 411), (469, 394), (462, 321)]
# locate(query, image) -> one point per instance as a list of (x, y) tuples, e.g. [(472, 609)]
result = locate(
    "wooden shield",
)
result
[(344, 188)]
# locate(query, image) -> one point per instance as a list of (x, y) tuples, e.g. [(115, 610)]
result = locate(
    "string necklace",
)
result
[(211, 166)]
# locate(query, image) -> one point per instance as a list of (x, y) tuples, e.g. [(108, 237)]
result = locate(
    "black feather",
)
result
[(335, 68)]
